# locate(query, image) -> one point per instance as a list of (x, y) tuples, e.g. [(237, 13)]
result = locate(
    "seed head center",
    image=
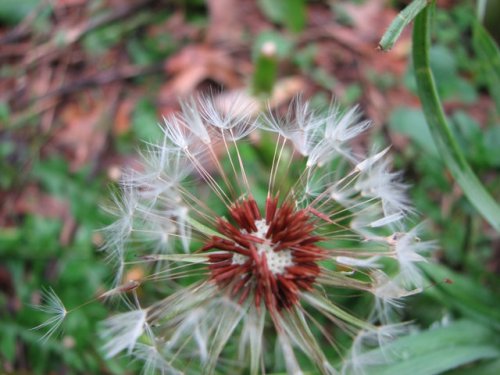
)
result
[(277, 261), (270, 258)]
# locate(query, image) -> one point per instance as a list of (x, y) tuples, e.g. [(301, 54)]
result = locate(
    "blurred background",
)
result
[(83, 83)]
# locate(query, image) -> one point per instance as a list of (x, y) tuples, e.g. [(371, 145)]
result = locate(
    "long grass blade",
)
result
[(440, 130), (462, 294), (438, 350)]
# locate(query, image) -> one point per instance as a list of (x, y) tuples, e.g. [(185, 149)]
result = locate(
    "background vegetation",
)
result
[(82, 83)]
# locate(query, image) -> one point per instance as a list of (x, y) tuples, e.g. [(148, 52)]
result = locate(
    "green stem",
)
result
[(441, 132)]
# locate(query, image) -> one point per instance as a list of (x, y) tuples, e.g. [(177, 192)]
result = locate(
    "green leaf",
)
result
[(440, 130), (470, 138), (489, 57), (448, 81), (274, 10), (437, 350), (411, 122), (290, 13), (145, 121), (4, 111), (8, 345), (295, 15), (266, 70), (13, 11), (485, 368), (463, 294), (491, 142)]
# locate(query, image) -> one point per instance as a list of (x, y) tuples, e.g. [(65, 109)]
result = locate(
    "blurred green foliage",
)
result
[(34, 256), (32, 252)]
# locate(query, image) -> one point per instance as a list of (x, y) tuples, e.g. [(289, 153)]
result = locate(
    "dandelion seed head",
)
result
[(235, 262)]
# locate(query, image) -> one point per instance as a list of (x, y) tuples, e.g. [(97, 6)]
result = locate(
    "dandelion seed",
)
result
[(408, 249), (122, 331), (54, 307), (231, 114), (252, 271), (379, 182), (302, 126), (154, 363), (389, 293), (368, 349), (339, 128), (362, 263)]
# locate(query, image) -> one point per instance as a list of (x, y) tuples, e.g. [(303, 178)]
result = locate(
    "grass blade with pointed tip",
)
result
[(399, 23), (440, 130)]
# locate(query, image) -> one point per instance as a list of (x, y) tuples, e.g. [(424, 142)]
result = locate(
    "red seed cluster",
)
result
[(288, 229)]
